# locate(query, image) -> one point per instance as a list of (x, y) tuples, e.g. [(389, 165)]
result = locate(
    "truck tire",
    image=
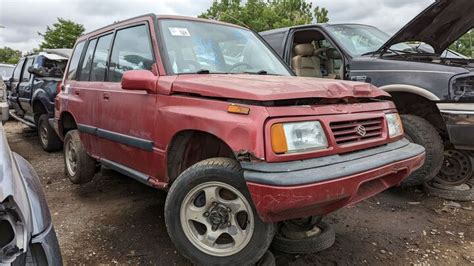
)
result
[(309, 245), (210, 217), (79, 166), (420, 131), (48, 138)]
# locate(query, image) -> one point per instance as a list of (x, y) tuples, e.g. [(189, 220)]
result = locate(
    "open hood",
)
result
[(270, 88), (439, 25)]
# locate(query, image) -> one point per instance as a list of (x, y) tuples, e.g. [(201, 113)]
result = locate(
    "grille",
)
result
[(349, 132)]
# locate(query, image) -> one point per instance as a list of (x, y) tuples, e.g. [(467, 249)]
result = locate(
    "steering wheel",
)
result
[(234, 66)]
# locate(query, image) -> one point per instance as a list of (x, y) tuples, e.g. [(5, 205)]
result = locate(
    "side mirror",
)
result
[(39, 71), (139, 80)]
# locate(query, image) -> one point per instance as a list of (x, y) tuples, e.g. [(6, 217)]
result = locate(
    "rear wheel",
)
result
[(457, 168), (48, 138), (420, 131), (80, 167), (210, 216)]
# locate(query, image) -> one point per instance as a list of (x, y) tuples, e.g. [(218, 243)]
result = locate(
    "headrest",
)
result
[(304, 49)]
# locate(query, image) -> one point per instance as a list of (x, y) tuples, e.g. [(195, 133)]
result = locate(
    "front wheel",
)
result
[(420, 131), (210, 216)]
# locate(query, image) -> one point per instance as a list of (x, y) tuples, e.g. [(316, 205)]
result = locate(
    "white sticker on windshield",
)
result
[(179, 32)]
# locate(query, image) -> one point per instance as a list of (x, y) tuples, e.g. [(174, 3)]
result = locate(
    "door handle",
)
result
[(76, 92), (106, 96)]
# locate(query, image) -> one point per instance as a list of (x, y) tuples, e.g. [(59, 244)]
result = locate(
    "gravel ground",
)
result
[(115, 220)]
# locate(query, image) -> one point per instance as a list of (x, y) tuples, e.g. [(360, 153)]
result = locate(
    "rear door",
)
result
[(126, 117)]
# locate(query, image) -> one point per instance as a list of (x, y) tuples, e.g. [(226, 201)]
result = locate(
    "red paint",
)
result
[(154, 106), (275, 204)]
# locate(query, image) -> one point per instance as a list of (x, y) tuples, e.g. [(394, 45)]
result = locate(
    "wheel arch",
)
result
[(410, 89), (66, 122), (190, 146), (39, 109)]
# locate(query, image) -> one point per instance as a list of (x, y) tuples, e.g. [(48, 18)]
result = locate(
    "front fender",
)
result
[(242, 133)]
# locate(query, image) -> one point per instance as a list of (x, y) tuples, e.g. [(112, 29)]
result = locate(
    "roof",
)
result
[(133, 19)]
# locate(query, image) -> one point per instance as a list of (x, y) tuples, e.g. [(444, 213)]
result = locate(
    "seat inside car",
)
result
[(304, 62)]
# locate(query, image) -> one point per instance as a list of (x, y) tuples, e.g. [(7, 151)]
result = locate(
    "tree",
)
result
[(62, 34), (321, 15), (9, 56), (465, 44), (261, 15)]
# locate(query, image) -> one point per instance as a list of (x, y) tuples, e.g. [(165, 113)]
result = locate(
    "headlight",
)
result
[(298, 136), (395, 127)]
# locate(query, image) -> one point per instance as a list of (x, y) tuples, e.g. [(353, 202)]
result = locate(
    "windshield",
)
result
[(360, 39), (200, 47), (6, 71)]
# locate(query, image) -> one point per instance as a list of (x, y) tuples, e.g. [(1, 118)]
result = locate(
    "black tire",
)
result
[(85, 165), (226, 171), (48, 138), (421, 132), (457, 195), (320, 242)]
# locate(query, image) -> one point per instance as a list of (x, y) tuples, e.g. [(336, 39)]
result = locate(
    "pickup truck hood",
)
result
[(439, 25), (270, 88)]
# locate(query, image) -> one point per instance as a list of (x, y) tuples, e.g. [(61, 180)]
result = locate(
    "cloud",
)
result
[(23, 19)]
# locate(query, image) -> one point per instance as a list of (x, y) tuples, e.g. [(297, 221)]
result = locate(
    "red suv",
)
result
[(207, 111)]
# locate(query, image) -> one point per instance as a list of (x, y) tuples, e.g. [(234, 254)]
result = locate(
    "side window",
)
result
[(74, 62), (132, 50), (99, 63), (87, 62), (25, 77), (17, 72)]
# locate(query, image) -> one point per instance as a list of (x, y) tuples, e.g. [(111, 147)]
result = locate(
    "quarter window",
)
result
[(87, 62), (132, 50), (74, 62), (25, 77), (99, 63)]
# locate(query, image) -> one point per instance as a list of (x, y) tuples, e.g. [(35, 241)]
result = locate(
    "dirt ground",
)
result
[(117, 220)]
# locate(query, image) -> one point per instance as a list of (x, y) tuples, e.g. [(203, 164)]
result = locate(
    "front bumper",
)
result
[(288, 190), (459, 119)]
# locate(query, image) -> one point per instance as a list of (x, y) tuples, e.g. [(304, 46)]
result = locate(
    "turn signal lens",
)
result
[(237, 109), (395, 127), (278, 138)]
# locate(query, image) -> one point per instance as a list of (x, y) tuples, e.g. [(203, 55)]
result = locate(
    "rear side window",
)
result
[(101, 54), (17, 72), (25, 77), (132, 50), (74, 63), (87, 62)]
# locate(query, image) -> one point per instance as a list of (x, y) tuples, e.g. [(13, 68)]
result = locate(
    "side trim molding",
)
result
[(139, 143), (139, 176), (411, 89)]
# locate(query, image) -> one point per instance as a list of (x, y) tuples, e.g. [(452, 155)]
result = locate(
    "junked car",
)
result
[(207, 111), (32, 88), (433, 91), (27, 235)]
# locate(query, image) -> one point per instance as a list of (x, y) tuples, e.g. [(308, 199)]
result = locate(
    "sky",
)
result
[(23, 19)]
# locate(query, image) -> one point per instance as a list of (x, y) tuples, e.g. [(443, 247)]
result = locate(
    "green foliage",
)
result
[(321, 15), (465, 44), (62, 34), (9, 56), (261, 15)]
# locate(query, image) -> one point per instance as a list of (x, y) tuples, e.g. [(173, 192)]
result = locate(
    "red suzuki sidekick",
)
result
[(207, 111)]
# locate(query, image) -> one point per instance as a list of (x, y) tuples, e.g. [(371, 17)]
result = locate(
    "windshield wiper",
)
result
[(260, 72), (203, 71)]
